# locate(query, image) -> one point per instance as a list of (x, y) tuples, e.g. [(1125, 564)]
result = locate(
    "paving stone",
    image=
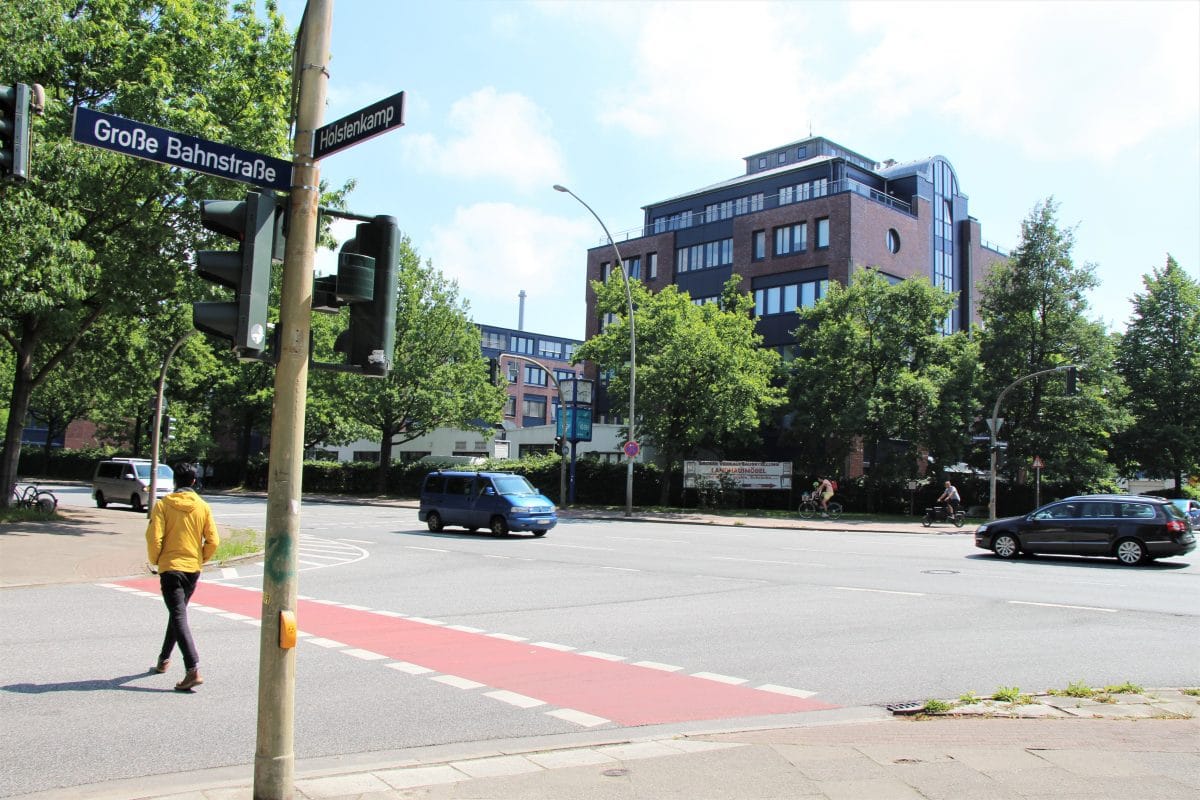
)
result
[(421, 776), (341, 785), (877, 789), (493, 767)]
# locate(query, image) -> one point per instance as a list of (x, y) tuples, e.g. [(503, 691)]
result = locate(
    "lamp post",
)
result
[(995, 422), (632, 348)]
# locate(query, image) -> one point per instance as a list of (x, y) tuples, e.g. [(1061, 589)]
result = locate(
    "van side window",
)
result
[(482, 487), (434, 484), (459, 485)]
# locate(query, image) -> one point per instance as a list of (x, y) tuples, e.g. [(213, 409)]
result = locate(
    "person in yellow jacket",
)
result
[(181, 536)]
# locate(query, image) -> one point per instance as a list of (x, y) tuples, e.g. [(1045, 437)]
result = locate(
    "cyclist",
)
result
[(824, 488), (950, 498)]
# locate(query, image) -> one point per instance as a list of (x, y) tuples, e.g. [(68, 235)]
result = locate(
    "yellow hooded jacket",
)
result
[(181, 535)]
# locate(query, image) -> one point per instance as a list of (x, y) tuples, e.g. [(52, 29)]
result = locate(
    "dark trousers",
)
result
[(177, 589)]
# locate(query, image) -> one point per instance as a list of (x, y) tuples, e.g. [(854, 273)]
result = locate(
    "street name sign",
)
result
[(363, 124), (132, 138)]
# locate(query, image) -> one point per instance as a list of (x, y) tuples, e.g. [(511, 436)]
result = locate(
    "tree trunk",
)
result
[(18, 408), (385, 459)]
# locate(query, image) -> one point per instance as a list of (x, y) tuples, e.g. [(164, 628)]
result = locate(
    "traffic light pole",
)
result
[(156, 432), (274, 756), (562, 409)]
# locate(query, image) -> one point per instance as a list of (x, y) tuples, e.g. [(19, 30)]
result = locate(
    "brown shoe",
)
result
[(191, 680), (161, 666)]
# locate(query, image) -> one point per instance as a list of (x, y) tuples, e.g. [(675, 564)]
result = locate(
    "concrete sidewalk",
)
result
[(1123, 747)]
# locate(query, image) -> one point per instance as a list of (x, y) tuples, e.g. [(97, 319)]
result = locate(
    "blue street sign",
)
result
[(110, 132), (371, 121)]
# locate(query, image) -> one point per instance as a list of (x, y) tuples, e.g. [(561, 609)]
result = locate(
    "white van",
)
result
[(127, 480)]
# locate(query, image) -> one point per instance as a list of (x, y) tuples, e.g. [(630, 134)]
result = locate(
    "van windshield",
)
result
[(165, 473), (513, 484)]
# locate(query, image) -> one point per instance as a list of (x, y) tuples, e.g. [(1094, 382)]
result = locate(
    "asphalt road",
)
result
[(595, 613)]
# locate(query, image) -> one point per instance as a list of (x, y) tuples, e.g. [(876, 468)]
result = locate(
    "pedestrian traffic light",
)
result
[(171, 429), (367, 272), (1071, 378), (247, 271), (17, 103)]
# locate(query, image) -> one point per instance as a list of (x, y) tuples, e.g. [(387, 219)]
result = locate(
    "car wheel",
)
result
[(927, 521), (499, 526), (1131, 552), (100, 501), (434, 521), (135, 500), (1006, 545), (539, 533)]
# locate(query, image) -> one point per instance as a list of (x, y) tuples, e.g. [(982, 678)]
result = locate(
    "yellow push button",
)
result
[(287, 629)]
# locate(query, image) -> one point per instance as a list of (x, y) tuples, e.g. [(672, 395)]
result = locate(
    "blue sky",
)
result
[(629, 103)]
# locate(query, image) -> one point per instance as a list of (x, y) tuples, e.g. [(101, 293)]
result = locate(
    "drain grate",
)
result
[(904, 709)]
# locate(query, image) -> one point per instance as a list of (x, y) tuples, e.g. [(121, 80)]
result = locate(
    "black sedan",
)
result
[(1134, 530)]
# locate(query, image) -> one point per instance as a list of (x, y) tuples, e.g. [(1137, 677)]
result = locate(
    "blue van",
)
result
[(499, 501)]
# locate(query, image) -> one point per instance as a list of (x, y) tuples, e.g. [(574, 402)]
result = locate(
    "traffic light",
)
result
[(247, 271), (560, 445), (367, 274), (17, 103), (493, 370), (171, 429), (1071, 378)]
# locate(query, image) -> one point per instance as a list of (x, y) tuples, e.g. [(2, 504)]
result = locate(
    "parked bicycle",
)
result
[(31, 496), (810, 505)]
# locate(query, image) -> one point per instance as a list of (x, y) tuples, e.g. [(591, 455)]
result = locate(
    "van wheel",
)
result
[(539, 533), (100, 501), (499, 526), (434, 521), (135, 500)]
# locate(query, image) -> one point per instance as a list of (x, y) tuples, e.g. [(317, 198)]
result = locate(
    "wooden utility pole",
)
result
[(274, 756)]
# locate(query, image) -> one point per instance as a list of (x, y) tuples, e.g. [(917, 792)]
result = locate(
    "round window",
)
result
[(893, 241)]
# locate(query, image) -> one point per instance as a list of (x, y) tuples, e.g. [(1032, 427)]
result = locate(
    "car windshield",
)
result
[(165, 473), (513, 484)]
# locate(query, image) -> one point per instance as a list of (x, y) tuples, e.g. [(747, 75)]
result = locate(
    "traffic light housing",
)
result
[(560, 445), (1072, 375), (371, 262), (493, 371), (17, 103), (243, 322), (170, 429)]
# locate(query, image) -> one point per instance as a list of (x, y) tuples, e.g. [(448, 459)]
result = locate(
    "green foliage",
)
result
[(1011, 694), (703, 380), (1159, 359), (935, 706), (969, 698), (238, 542), (1075, 689), (1033, 309), (1124, 688)]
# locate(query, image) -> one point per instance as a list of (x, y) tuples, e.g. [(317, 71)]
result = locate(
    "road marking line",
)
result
[(565, 648), (228, 572), (357, 608), (456, 682), (512, 698), (622, 569), (427, 549), (764, 561), (578, 547), (650, 539), (255, 622), (485, 555), (727, 578), (577, 717), (770, 687), (464, 628), (602, 656), (207, 609), (365, 655), (235, 616), (508, 637), (355, 541), (657, 665), (397, 614), (425, 621), (1061, 605), (713, 676), (411, 669), (880, 591), (317, 640)]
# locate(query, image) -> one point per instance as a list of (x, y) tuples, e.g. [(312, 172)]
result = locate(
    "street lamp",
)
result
[(632, 349)]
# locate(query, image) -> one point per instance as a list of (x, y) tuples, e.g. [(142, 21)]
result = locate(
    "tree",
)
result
[(1033, 310), (703, 380), (95, 233), (439, 378), (872, 367), (1159, 358)]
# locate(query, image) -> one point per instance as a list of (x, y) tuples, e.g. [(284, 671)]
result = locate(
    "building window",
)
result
[(681, 260), (823, 233), (801, 153), (789, 298), (522, 345), (791, 239), (652, 258), (893, 241), (756, 202), (786, 195), (633, 267), (762, 162), (568, 351), (510, 406), (800, 237), (605, 270), (783, 241), (760, 245), (710, 212), (564, 374), (534, 407), (494, 340), (534, 376), (741, 205), (783, 158), (550, 349)]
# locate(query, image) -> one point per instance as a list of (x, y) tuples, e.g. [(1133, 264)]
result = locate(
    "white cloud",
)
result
[(493, 135), (494, 250)]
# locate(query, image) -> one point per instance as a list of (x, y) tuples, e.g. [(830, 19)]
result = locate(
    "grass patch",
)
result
[(25, 515), (1192, 692), (239, 542), (1012, 694), (969, 698), (1124, 688), (937, 707), (1076, 689)]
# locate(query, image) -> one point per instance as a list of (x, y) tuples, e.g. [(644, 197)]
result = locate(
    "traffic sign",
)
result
[(137, 139), (1038, 463), (632, 449), (363, 124)]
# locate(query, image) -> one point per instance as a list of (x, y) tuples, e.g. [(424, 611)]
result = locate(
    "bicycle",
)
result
[(810, 505), (30, 496)]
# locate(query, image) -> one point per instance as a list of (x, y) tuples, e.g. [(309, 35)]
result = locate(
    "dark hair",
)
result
[(185, 475)]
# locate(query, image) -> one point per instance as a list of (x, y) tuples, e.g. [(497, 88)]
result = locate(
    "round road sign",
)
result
[(632, 449)]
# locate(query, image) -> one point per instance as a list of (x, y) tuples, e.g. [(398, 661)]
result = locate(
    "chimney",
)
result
[(521, 312)]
